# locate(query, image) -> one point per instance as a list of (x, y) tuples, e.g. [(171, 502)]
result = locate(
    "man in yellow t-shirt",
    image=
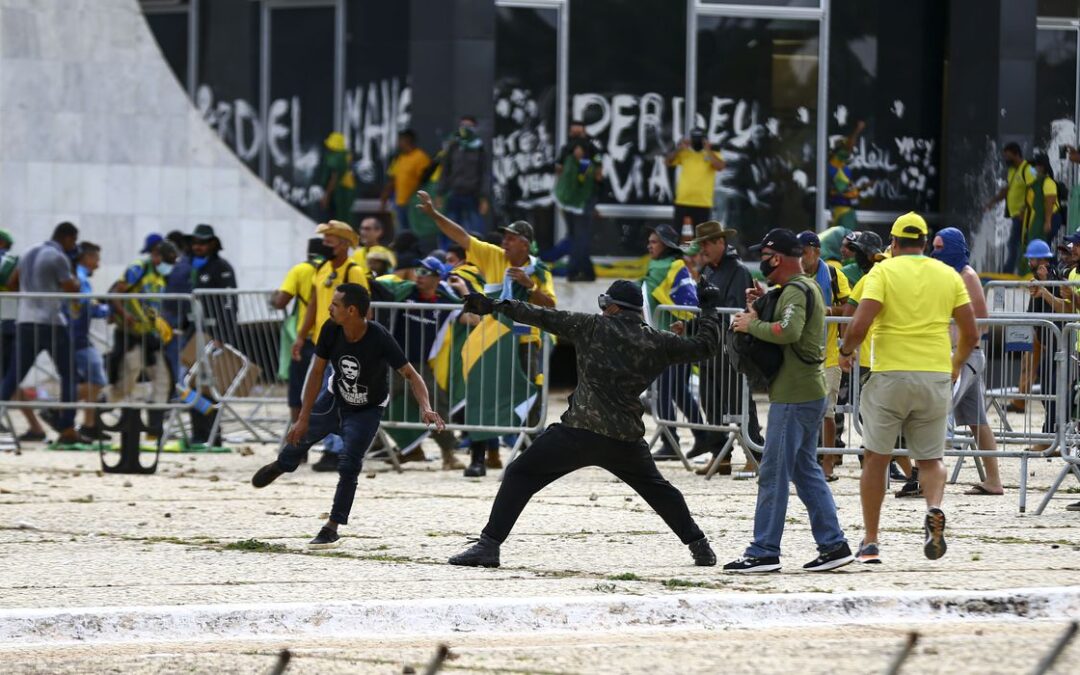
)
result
[(910, 299), (696, 184), (405, 176), (298, 284), (1019, 177), (834, 291)]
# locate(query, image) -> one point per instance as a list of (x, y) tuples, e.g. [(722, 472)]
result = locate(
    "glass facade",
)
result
[(752, 68)]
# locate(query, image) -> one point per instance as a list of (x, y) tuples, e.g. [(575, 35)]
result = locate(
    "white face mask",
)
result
[(164, 268)]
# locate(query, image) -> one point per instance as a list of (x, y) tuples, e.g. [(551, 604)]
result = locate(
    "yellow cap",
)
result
[(910, 225), (335, 141)]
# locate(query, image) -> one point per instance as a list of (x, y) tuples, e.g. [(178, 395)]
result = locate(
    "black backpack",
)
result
[(757, 359)]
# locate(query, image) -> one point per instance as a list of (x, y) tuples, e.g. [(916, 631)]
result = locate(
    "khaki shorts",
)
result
[(915, 404), (832, 388)]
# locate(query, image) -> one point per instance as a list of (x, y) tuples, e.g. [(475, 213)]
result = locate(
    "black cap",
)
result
[(625, 294), (809, 238), (697, 132), (667, 236), (780, 240), (520, 228)]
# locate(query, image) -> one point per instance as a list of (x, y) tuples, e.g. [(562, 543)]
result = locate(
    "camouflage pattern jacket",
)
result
[(617, 358)]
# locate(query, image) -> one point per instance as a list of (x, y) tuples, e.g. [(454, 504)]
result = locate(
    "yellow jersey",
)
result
[(327, 279)]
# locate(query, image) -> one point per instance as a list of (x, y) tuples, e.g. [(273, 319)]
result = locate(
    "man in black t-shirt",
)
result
[(353, 402)]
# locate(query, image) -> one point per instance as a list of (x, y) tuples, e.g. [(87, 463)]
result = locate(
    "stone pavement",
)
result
[(197, 533)]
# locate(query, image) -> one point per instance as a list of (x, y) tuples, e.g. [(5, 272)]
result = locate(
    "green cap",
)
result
[(5, 237)]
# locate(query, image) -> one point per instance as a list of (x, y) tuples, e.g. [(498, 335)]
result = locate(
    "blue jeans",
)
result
[(790, 456), (30, 340), (465, 211), (402, 217), (1012, 253), (581, 230), (673, 389), (358, 428)]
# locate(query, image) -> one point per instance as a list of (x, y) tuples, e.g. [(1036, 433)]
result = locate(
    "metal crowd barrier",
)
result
[(94, 356), (439, 342), (1070, 414)]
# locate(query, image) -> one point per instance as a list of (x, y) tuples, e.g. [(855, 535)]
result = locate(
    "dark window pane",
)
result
[(377, 95), (627, 79), (768, 3), (227, 94), (757, 101), (1063, 8), (301, 113), (170, 29), (523, 147), (887, 68), (1055, 87)]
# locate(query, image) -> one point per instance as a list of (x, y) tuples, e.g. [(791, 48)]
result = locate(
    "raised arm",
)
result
[(567, 324), (455, 232), (701, 345)]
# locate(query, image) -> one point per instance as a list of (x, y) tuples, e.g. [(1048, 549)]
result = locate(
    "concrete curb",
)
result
[(27, 627)]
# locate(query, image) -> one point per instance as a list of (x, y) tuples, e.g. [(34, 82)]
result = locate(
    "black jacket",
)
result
[(219, 311)]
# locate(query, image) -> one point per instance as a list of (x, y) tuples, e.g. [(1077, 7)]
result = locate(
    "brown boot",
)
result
[(493, 459), (414, 455), (449, 461)]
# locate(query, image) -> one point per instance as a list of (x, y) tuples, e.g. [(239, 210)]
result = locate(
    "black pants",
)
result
[(697, 215), (721, 394), (561, 450)]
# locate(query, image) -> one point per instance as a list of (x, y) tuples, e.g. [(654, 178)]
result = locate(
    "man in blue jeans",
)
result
[(352, 406), (797, 407), (40, 325)]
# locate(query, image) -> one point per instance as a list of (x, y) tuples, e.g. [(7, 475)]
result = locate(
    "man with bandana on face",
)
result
[(618, 357), (843, 195), (463, 176), (968, 407)]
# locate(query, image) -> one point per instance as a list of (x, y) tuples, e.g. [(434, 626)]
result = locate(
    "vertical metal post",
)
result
[(690, 102), (822, 115), (264, 88), (562, 95), (193, 48), (339, 63)]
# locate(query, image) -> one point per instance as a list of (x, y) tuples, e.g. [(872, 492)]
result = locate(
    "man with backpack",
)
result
[(793, 318)]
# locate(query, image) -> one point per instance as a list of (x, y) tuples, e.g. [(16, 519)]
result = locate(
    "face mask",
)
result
[(466, 132), (164, 268), (766, 267), (697, 144), (198, 263)]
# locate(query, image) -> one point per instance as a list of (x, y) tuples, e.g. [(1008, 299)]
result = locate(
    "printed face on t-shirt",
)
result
[(352, 392)]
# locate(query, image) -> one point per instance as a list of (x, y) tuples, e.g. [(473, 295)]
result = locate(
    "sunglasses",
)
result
[(330, 279)]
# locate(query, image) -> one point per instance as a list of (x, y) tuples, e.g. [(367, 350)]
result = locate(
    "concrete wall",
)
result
[(95, 129)]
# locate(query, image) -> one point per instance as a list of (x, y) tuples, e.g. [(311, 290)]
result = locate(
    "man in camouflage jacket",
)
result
[(618, 356)]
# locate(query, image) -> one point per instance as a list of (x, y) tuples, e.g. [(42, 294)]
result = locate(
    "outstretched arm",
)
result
[(420, 393), (567, 324), (455, 232)]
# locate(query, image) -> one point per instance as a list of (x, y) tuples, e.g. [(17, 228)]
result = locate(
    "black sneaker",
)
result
[(52, 418), (838, 557), (32, 437), (665, 454), (896, 474), (702, 552), (484, 553), (934, 526), (476, 469), (94, 433), (266, 475), (328, 462), (326, 538), (751, 565), (910, 489), (1075, 506)]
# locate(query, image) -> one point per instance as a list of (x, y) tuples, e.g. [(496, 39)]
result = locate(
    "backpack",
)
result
[(760, 361), (1063, 202)]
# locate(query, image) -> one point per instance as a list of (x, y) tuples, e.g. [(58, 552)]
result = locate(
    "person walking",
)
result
[(40, 325), (575, 192), (1019, 177), (404, 176), (968, 404), (463, 177), (797, 400), (362, 354), (910, 300), (618, 356)]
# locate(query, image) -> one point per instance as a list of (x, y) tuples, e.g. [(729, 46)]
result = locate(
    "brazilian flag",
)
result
[(497, 390)]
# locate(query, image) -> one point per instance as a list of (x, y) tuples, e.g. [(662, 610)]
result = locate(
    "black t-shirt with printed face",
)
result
[(362, 368)]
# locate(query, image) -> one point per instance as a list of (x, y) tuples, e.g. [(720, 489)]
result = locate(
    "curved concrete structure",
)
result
[(95, 129)]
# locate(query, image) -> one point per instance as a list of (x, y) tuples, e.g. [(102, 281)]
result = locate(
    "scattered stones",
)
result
[(246, 451), (371, 474), (593, 497), (168, 515), (127, 483), (214, 478)]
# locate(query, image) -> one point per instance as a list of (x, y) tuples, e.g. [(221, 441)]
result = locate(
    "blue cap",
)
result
[(1073, 239), (152, 240), (809, 238), (1037, 248), (433, 264)]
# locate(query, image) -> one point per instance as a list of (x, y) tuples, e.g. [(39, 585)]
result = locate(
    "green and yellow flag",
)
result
[(497, 390)]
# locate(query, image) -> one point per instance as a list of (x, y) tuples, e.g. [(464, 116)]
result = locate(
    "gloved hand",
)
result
[(709, 296), (478, 303), (164, 330)]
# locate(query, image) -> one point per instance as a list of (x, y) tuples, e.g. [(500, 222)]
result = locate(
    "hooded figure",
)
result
[(955, 254), (830, 242)]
